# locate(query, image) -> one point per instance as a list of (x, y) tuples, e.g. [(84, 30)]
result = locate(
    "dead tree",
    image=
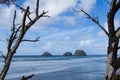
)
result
[(18, 33), (113, 62), (8, 2)]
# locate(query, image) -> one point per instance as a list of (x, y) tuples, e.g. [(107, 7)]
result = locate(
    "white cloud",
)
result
[(65, 41), (52, 36), (6, 15), (54, 7), (86, 42), (69, 20), (87, 5), (47, 45), (116, 22)]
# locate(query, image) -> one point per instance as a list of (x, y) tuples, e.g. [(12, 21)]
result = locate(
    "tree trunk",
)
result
[(111, 59), (110, 71), (6, 66)]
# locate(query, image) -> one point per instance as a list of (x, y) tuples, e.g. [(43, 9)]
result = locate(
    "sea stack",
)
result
[(67, 54), (80, 53), (46, 54)]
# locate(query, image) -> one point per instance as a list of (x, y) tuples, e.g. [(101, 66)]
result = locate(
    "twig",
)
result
[(2, 55), (37, 7), (13, 27), (18, 6), (95, 21), (27, 77), (107, 2), (43, 14), (37, 39)]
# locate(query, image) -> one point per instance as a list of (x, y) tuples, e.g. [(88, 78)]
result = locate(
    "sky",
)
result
[(65, 31)]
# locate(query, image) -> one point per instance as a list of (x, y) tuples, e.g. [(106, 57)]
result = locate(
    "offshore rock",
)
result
[(46, 54), (67, 54), (80, 53)]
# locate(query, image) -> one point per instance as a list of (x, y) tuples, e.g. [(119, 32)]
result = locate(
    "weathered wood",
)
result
[(27, 77)]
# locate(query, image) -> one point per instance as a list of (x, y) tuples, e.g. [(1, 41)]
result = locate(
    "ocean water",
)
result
[(26, 65)]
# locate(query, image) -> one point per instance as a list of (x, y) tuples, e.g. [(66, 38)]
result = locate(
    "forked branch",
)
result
[(95, 21)]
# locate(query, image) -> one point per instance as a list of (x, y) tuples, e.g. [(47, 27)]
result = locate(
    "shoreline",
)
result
[(69, 74)]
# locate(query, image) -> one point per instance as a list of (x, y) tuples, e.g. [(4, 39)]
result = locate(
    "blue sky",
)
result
[(65, 31)]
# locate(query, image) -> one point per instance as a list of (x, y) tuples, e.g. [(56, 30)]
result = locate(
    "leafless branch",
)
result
[(44, 14), (3, 1), (29, 18), (13, 27), (18, 6), (37, 7), (37, 39), (113, 3), (12, 38), (27, 77), (24, 18), (118, 47), (16, 37), (95, 21), (117, 33), (107, 2), (7, 2), (2, 55)]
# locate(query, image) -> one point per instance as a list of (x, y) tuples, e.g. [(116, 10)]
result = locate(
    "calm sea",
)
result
[(26, 65)]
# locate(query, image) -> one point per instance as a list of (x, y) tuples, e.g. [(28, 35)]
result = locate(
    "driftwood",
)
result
[(27, 77)]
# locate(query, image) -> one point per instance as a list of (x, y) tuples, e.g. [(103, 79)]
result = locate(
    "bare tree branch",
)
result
[(3, 1), (107, 2), (113, 3), (24, 17), (12, 38), (114, 7), (29, 18), (2, 55), (18, 6), (7, 2), (13, 27), (37, 39), (27, 77), (117, 33), (17, 35), (118, 47), (43, 14), (95, 21), (37, 7)]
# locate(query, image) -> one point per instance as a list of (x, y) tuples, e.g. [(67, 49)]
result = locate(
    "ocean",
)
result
[(91, 67)]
